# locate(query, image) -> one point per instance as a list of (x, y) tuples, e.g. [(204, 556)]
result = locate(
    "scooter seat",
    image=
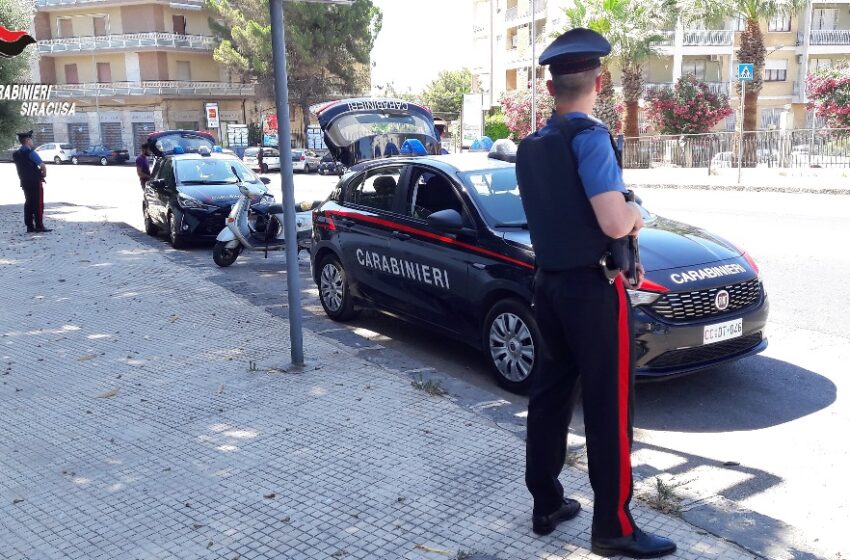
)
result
[(307, 205), (275, 208)]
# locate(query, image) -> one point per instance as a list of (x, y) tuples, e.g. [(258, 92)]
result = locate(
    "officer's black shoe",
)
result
[(545, 524), (30, 230), (636, 545), (43, 230)]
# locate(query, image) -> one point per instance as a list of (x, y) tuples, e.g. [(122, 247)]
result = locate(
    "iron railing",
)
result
[(64, 3), (668, 38), (153, 88), (523, 10), (717, 88), (708, 37), (819, 148), (830, 37), (127, 41)]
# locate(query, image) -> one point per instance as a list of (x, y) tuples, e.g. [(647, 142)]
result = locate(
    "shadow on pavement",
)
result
[(755, 393)]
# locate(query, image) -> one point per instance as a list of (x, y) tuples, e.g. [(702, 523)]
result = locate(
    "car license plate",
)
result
[(722, 331)]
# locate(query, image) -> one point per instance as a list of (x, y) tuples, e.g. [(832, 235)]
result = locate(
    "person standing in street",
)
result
[(260, 158), (32, 173), (579, 217), (143, 166)]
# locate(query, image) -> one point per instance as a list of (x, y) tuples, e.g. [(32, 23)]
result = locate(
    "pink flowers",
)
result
[(829, 95), (517, 108), (689, 108)]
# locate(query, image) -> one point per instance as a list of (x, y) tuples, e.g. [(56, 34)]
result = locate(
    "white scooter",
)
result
[(259, 227)]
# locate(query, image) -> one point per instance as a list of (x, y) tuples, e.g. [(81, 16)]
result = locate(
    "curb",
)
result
[(747, 188)]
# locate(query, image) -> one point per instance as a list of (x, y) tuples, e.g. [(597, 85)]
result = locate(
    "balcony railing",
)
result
[(71, 3), (127, 41), (668, 38), (830, 37), (523, 10), (716, 88), (153, 88), (708, 37)]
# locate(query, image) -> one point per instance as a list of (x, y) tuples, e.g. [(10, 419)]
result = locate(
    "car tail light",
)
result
[(114, 152), (303, 157)]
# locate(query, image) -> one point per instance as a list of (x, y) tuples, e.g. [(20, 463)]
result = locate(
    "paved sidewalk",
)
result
[(141, 422), (834, 181)]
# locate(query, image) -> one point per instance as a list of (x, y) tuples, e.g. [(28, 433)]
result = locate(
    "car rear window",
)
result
[(251, 152), (66, 146)]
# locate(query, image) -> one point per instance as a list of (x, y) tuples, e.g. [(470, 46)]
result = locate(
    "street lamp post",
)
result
[(281, 88), (533, 66)]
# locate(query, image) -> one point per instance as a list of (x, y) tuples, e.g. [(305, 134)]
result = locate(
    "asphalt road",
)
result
[(766, 434)]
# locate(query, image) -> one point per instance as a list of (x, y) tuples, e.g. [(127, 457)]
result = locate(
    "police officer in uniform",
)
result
[(31, 172), (580, 218)]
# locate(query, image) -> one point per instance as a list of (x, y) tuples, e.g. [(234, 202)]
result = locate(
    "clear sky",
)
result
[(419, 38)]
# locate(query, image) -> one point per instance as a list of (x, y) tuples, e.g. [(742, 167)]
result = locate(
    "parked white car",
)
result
[(305, 160), (271, 159), (55, 152)]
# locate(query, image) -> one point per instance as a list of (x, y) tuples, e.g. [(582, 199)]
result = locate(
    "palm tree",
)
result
[(631, 26), (751, 49)]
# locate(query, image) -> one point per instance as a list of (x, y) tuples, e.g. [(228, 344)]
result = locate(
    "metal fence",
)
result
[(816, 148)]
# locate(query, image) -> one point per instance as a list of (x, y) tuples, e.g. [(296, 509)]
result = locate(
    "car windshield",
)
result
[(208, 170), (251, 152), (348, 129), (497, 194)]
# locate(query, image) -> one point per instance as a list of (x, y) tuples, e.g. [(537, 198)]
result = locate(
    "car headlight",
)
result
[(639, 297), (187, 201)]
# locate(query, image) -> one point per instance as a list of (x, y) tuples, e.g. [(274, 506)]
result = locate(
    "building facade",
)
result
[(819, 36), (133, 67)]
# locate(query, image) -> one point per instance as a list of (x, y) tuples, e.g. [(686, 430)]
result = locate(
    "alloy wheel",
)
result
[(512, 347), (331, 287)]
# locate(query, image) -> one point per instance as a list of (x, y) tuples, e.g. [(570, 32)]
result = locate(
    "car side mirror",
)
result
[(265, 180), (449, 221), (158, 184)]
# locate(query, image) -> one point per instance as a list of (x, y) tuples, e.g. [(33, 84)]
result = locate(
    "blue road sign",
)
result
[(745, 72)]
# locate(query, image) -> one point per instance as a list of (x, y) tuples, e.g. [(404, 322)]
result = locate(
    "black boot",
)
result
[(545, 524), (636, 545)]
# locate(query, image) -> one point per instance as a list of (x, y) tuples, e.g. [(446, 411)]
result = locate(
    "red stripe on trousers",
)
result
[(623, 361)]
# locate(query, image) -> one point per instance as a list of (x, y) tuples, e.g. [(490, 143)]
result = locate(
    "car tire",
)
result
[(104, 162), (334, 290), (224, 256), (57, 160), (150, 227), (74, 160), (264, 169), (177, 241), (513, 344)]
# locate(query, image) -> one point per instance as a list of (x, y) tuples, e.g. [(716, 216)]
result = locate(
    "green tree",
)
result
[(327, 46), (631, 26), (444, 96), (495, 126), (13, 16), (751, 49)]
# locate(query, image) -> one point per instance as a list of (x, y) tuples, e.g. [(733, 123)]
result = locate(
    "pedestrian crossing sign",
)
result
[(745, 72)]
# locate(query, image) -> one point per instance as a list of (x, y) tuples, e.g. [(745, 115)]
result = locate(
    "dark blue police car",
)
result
[(443, 241)]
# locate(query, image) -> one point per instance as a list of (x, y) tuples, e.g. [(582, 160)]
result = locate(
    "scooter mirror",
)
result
[(244, 190), (265, 180)]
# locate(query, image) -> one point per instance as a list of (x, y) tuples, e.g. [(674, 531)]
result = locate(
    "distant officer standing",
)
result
[(579, 219), (31, 172)]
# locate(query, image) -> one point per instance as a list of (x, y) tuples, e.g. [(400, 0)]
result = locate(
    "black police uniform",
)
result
[(31, 179), (584, 318)]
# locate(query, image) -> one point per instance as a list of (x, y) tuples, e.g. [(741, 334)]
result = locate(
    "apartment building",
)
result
[(819, 36), (132, 67)]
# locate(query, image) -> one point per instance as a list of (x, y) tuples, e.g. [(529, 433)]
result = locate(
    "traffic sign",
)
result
[(745, 72)]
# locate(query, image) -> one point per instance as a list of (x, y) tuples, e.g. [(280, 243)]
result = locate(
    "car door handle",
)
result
[(400, 235)]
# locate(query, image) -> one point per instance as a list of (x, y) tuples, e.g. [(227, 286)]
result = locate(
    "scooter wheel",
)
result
[(224, 256)]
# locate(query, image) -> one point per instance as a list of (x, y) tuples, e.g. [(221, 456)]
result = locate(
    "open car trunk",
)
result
[(163, 143), (362, 129)]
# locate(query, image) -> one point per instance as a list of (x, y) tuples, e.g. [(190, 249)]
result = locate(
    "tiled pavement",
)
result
[(135, 424)]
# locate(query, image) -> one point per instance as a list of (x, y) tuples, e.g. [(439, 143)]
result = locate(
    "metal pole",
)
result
[(533, 67), (741, 137), (293, 283)]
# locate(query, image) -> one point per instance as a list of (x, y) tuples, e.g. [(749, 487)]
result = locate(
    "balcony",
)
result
[(830, 37), (154, 89), (523, 10), (86, 3), (153, 40), (708, 37), (717, 88), (668, 38)]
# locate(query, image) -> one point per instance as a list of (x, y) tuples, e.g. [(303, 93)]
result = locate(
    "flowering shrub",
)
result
[(689, 108), (516, 106), (829, 95)]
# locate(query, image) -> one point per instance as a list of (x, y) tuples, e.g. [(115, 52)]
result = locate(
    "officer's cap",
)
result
[(24, 135), (575, 51)]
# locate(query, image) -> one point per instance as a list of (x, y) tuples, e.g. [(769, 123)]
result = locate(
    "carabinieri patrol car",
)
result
[(443, 241)]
